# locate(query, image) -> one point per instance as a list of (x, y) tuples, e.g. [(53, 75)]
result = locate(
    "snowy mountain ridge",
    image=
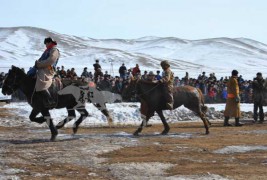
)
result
[(21, 46)]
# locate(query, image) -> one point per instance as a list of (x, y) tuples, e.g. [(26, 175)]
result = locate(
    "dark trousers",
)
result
[(168, 94), (261, 114)]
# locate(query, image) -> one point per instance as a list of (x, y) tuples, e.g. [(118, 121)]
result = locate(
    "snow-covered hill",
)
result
[(21, 46)]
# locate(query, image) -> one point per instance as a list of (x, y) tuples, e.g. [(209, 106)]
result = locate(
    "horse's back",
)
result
[(188, 96)]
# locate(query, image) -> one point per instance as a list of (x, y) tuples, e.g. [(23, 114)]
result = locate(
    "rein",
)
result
[(145, 91)]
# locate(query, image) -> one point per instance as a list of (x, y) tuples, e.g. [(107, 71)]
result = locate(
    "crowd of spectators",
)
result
[(214, 89)]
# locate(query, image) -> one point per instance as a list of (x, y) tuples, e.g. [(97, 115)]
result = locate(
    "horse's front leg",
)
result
[(50, 124), (143, 124), (84, 114), (164, 122), (33, 117), (71, 115)]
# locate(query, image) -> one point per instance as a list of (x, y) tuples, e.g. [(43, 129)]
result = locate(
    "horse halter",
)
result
[(145, 91)]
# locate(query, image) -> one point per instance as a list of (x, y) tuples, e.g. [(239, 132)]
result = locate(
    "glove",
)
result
[(237, 99)]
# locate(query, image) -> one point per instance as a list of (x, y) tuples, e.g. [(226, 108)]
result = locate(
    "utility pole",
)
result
[(111, 71)]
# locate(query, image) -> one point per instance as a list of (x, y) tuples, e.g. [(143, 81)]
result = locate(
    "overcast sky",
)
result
[(128, 19)]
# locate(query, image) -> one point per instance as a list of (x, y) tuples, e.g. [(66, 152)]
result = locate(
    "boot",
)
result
[(237, 122), (48, 101), (255, 117), (261, 118), (226, 121), (169, 106)]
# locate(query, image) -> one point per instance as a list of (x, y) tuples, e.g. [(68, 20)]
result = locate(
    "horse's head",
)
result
[(12, 80)]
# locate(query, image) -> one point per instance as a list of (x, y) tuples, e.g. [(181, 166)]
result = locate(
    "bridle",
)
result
[(144, 93)]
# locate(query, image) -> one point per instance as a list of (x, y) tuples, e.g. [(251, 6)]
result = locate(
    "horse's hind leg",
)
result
[(205, 121), (164, 122), (204, 109), (84, 114), (71, 115), (50, 124), (109, 118), (104, 110)]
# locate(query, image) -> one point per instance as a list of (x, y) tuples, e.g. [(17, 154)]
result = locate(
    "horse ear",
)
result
[(13, 67)]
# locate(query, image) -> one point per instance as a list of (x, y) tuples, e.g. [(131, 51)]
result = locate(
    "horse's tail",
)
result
[(204, 108)]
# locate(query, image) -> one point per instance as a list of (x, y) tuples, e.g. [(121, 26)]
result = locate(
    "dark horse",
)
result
[(17, 79), (152, 100)]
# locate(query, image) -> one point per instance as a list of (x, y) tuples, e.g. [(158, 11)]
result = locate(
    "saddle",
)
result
[(56, 86)]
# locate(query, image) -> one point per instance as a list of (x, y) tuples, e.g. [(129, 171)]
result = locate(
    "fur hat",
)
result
[(164, 64), (234, 72), (48, 40), (259, 74)]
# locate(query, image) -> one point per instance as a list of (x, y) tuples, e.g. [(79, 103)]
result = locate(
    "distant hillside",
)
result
[(21, 46)]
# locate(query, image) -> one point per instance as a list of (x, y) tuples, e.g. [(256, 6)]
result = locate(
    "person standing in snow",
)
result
[(232, 108), (258, 97)]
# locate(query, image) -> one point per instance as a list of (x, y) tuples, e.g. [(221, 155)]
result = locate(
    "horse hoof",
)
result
[(207, 132), (136, 134), (164, 133), (110, 124), (74, 130), (53, 138)]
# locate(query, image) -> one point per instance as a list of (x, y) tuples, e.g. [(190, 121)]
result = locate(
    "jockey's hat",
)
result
[(234, 72), (48, 40), (259, 74), (164, 64), (96, 60)]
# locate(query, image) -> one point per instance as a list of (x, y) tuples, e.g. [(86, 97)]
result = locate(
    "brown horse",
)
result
[(152, 100)]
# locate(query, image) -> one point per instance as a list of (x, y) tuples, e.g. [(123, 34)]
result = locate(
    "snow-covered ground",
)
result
[(122, 113)]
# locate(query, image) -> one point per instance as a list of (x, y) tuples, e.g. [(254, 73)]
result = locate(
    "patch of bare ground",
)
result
[(113, 153), (195, 154)]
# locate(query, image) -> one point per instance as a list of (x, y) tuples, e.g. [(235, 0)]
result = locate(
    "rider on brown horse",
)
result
[(167, 79)]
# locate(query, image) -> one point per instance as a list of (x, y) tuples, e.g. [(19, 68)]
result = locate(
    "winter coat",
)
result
[(168, 78), (136, 71), (258, 90), (45, 71), (232, 108), (122, 70), (96, 66)]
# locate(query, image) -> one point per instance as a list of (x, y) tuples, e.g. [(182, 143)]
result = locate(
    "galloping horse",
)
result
[(152, 100), (17, 79)]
